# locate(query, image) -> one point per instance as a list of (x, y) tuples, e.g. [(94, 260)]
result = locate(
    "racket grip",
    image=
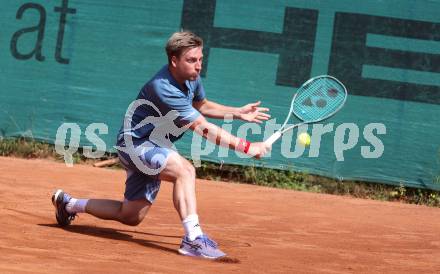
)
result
[(273, 138)]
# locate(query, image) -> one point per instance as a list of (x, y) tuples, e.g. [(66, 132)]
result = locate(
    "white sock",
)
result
[(192, 227), (76, 205)]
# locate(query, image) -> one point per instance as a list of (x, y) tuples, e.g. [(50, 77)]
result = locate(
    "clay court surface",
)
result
[(264, 230)]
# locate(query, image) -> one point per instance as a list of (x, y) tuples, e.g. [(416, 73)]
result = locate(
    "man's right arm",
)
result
[(223, 138)]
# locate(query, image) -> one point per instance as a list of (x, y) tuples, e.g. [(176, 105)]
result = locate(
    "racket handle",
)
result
[(273, 138)]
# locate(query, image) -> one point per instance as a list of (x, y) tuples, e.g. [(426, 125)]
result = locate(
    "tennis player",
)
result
[(145, 147)]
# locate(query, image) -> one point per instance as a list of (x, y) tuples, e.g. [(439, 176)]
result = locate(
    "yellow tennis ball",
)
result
[(304, 139)]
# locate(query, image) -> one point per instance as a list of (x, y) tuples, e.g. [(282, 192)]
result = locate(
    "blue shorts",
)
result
[(143, 172)]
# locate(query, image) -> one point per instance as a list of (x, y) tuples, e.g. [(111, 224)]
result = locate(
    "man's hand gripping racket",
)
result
[(316, 100)]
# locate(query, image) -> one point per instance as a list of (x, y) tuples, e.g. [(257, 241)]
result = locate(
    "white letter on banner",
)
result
[(223, 150), (287, 140), (353, 137), (372, 139), (60, 141), (96, 140), (317, 131)]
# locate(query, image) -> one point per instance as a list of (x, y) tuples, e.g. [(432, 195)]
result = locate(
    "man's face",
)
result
[(189, 64)]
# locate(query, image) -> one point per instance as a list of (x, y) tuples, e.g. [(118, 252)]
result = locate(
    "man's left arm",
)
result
[(251, 112)]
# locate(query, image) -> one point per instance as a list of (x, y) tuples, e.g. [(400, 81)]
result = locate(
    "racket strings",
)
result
[(318, 99)]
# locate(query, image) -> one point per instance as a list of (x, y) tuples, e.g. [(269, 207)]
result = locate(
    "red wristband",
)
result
[(246, 148), (242, 146)]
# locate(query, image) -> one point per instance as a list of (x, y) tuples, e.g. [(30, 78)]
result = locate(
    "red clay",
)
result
[(263, 230)]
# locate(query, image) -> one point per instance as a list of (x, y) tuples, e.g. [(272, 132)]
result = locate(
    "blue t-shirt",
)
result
[(162, 109)]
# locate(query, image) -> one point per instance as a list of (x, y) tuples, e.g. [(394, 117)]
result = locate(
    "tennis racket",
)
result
[(316, 100)]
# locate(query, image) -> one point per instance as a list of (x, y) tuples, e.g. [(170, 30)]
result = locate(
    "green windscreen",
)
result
[(84, 62)]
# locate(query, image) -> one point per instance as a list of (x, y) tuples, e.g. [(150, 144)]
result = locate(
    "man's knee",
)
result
[(177, 168), (134, 212), (186, 170), (132, 220), (190, 170)]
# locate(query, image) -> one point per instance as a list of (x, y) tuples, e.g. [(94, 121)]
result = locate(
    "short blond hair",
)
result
[(180, 41)]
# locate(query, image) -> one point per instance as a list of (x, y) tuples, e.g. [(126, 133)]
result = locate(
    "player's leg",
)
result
[(126, 212), (140, 192), (182, 174)]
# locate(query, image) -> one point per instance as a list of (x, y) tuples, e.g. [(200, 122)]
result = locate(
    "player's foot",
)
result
[(59, 200), (202, 246)]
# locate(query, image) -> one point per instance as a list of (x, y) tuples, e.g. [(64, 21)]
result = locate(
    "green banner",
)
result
[(66, 63)]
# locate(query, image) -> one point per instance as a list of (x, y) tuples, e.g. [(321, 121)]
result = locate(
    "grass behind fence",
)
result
[(287, 179)]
